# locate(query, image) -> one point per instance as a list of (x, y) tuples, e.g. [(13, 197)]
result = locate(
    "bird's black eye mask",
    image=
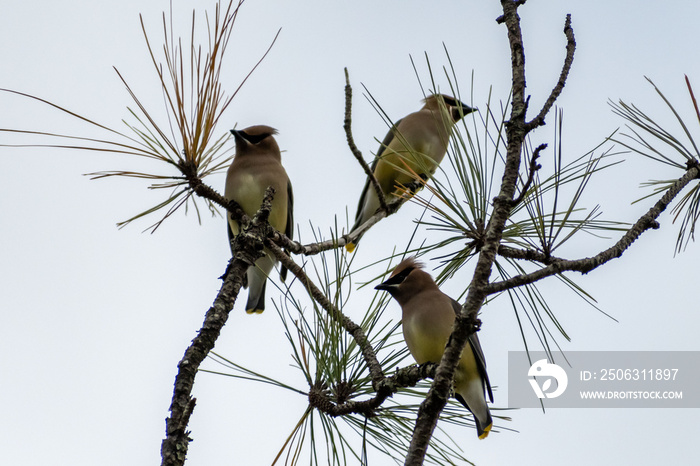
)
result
[(452, 102), (253, 138), (399, 277)]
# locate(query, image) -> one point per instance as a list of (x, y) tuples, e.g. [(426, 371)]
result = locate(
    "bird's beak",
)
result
[(466, 109), (459, 110), (386, 286), (239, 137)]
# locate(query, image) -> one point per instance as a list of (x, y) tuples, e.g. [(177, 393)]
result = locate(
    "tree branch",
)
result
[(353, 148), (646, 222), (375, 369), (247, 248), (403, 378), (467, 323), (189, 170), (526, 254), (311, 249), (559, 87), (534, 166), (174, 446)]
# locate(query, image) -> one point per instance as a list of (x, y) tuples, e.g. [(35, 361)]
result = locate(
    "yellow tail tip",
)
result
[(350, 247), (486, 431), (254, 311)]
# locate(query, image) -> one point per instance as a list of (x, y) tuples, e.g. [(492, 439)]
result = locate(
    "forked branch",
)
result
[(646, 222), (467, 323)]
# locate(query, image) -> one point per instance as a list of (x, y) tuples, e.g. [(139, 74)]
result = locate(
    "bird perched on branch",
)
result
[(257, 165), (411, 151), (428, 317)]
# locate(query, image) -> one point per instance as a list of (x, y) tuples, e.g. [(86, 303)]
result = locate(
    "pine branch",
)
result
[(247, 248), (207, 192), (375, 369), (174, 446), (403, 378), (311, 249), (467, 322), (526, 254), (646, 222)]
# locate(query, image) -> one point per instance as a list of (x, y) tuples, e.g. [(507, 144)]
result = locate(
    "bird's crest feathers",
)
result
[(449, 100), (254, 134), (406, 266)]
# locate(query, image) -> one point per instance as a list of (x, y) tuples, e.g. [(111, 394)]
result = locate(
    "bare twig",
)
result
[(534, 166), (347, 125), (559, 87), (315, 248)]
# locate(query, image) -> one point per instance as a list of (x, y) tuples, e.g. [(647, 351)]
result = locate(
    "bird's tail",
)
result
[(359, 220), (256, 298), (483, 427), (477, 406), (257, 281)]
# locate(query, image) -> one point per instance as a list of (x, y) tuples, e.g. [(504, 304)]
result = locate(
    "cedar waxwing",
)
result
[(256, 166), (415, 145), (428, 317)]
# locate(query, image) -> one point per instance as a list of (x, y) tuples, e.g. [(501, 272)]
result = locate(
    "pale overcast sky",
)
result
[(94, 319)]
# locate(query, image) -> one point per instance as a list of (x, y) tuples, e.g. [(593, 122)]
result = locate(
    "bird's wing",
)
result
[(289, 230), (387, 140), (385, 143), (478, 353), (228, 228)]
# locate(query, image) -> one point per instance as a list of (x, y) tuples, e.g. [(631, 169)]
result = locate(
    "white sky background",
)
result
[(94, 319)]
